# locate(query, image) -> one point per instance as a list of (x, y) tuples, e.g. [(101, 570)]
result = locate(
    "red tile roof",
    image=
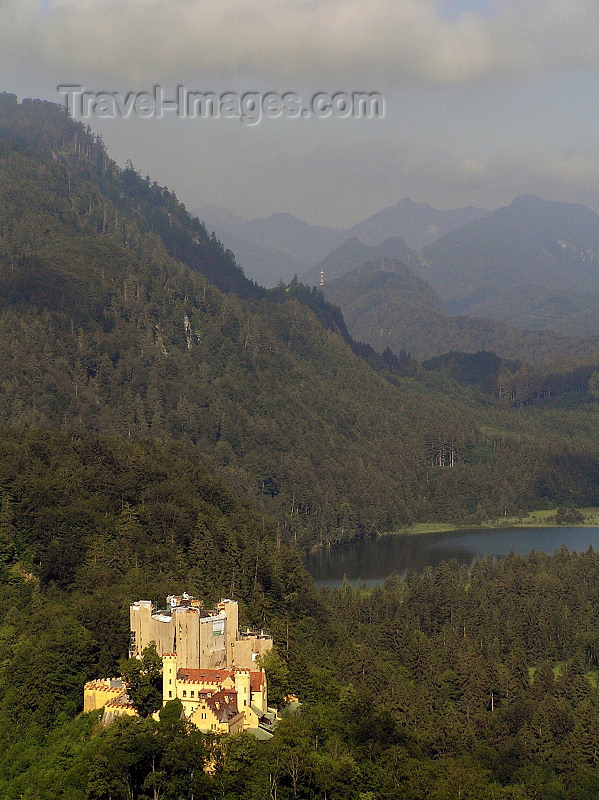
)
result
[(219, 676), (208, 675), (255, 681), (224, 705)]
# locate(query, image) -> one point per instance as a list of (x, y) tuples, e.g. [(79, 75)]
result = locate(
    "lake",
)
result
[(372, 560)]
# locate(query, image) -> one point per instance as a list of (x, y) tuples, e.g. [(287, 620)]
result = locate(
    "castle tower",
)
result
[(201, 638), (244, 693), (140, 617), (231, 610), (169, 677)]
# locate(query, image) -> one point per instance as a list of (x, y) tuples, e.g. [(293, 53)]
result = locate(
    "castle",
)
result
[(201, 639), (207, 663)]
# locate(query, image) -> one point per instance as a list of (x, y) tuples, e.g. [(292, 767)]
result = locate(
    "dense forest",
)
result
[(168, 425), (474, 684)]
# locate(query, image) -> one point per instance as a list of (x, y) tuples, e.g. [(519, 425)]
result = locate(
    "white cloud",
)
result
[(481, 131), (292, 40), (451, 182)]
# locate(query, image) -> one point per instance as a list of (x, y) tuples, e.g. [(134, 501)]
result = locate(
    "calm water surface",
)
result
[(373, 560)]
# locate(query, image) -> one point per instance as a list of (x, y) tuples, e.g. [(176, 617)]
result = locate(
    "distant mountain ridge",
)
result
[(388, 306), (530, 263), (352, 253), (533, 264), (290, 246), (270, 248), (418, 224)]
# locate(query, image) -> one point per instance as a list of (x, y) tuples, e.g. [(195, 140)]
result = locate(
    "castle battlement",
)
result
[(100, 686), (119, 703), (108, 683)]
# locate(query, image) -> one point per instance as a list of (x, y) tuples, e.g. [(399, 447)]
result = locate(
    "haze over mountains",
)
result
[(288, 245), (272, 248), (387, 305), (533, 264), (352, 253), (418, 224)]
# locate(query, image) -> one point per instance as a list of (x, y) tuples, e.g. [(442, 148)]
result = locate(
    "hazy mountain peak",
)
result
[(350, 244), (287, 221), (527, 197), (418, 224), (533, 263), (353, 253), (281, 216), (219, 217), (529, 202), (407, 204)]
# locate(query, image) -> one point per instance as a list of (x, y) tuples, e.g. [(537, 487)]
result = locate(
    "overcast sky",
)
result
[(484, 100)]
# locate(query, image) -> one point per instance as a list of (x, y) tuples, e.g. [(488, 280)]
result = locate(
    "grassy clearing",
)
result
[(542, 518)]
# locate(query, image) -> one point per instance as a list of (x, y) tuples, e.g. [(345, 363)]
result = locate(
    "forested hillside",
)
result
[(385, 304), (102, 329), (105, 328)]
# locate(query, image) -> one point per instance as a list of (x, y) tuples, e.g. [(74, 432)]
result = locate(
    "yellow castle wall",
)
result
[(97, 693)]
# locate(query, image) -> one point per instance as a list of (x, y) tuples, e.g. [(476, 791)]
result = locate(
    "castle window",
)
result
[(192, 693), (184, 693), (170, 694)]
